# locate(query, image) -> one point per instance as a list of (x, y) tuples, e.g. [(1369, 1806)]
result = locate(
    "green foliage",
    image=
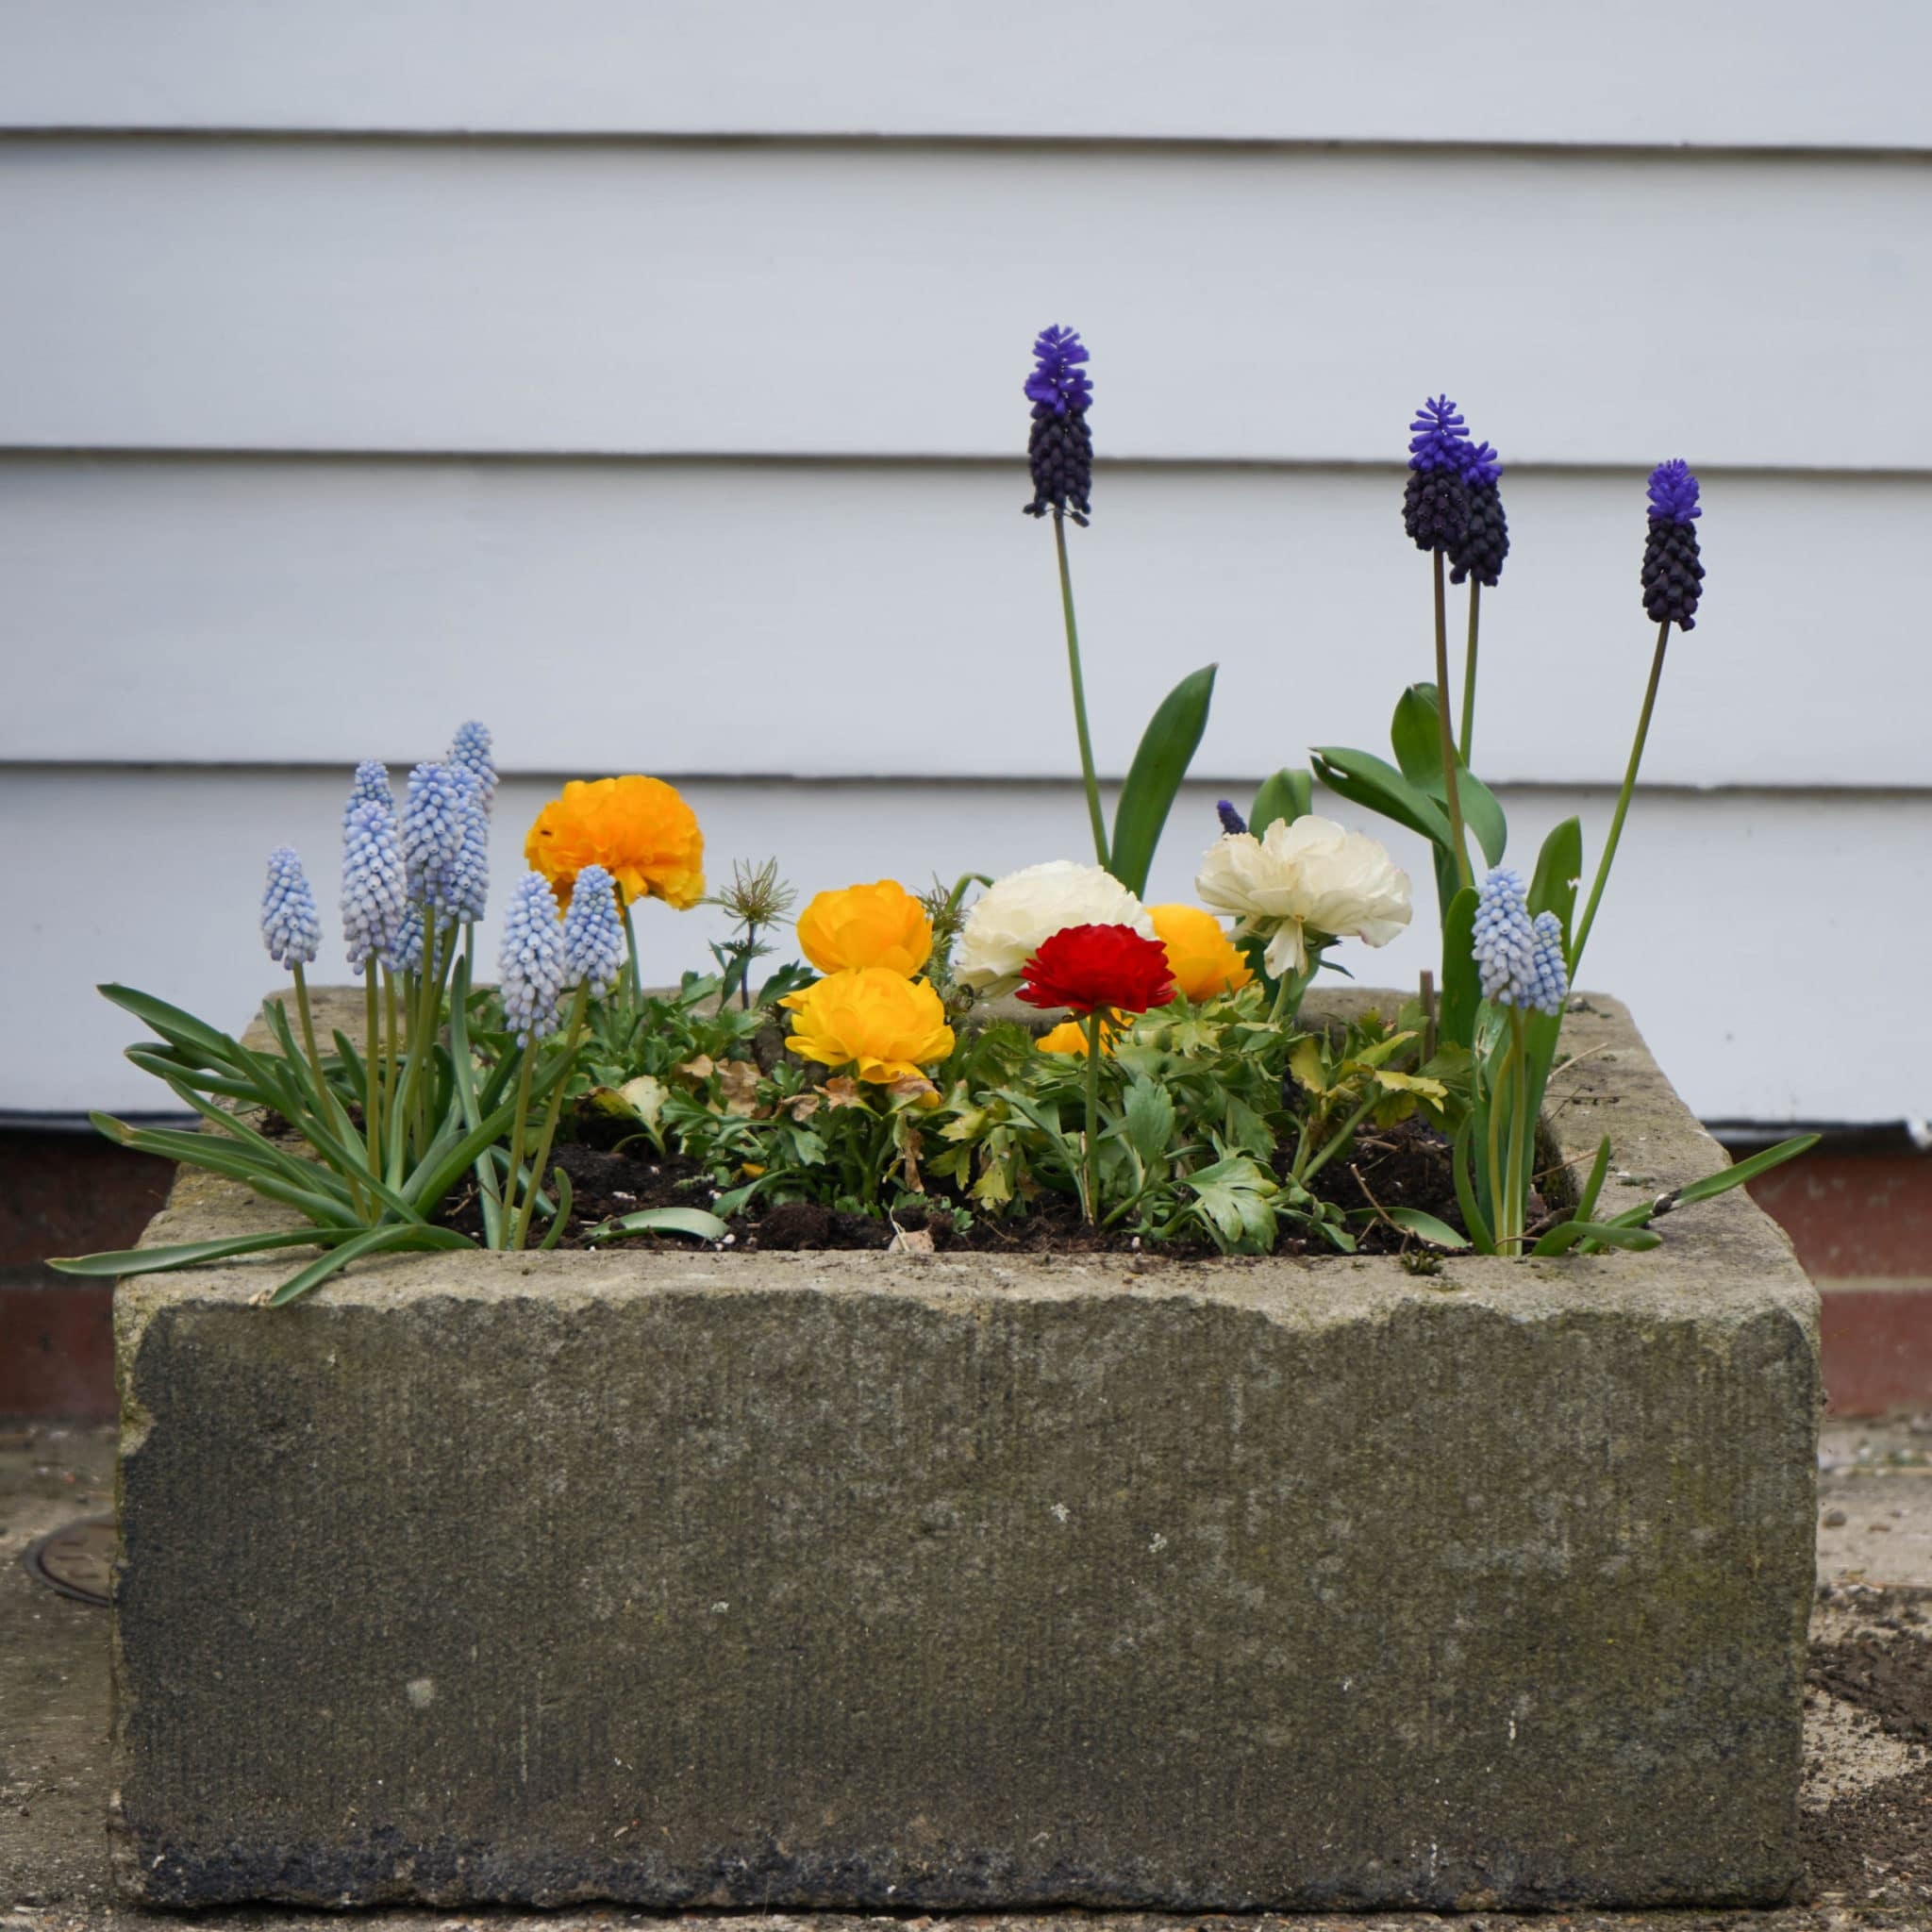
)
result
[(1154, 780)]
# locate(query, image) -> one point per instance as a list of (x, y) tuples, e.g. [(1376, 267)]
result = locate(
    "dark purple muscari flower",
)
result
[(1485, 540), (1059, 449), (1672, 576), (1435, 505), (1231, 821)]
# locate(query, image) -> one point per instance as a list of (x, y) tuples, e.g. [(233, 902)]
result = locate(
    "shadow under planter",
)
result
[(882, 1583)]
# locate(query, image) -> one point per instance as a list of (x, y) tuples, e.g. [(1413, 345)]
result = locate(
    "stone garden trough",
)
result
[(853, 1581)]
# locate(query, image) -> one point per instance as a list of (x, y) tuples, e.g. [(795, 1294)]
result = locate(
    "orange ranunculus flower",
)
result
[(1202, 958), (881, 925), (870, 1017), (1070, 1036), (638, 829)]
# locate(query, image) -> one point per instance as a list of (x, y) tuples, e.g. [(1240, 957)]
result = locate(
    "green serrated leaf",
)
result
[(1148, 1115)]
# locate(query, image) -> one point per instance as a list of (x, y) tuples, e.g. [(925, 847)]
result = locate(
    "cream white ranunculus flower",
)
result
[(1015, 915), (1308, 877)]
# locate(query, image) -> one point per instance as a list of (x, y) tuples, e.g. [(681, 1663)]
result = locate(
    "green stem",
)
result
[(372, 1067), (579, 1006), (633, 981), (516, 1131), (1092, 784), (325, 1093), (1339, 1141), (1476, 600), (1093, 1148), (1603, 868), (1499, 1191), (1451, 793), (391, 1029), (1519, 1132)]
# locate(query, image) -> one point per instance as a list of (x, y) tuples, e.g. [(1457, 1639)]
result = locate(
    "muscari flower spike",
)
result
[(471, 751), (1504, 942), (374, 898), (530, 968), (469, 873), (1435, 502), (1672, 576), (1059, 449), (1551, 986), (291, 927), (371, 787), (404, 951), (1232, 821), (593, 947), (435, 818), (1485, 540)]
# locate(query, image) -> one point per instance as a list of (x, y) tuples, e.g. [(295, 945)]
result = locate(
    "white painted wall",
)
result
[(644, 379)]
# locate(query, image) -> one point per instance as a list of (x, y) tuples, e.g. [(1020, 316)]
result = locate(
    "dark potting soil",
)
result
[(1874, 1847), (1406, 1166)]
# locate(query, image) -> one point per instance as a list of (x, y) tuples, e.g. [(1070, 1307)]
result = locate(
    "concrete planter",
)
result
[(835, 1580)]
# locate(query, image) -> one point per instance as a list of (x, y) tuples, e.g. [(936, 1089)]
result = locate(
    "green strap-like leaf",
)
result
[(1427, 1225), (124, 1261), (691, 1220), (1289, 794), (1746, 1170), (1599, 1168), (1364, 779), (1462, 988), (1465, 1190), (1416, 733), (376, 1240), (1558, 866), (1167, 748), (1600, 1234)]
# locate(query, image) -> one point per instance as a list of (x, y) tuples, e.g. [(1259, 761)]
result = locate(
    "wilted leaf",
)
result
[(1305, 1063), (916, 1089), (842, 1090), (1412, 1083), (910, 1241), (698, 1071), (645, 1097), (801, 1107), (737, 1081)]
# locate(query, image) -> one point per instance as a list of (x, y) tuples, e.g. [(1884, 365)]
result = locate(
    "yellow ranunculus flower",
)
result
[(1202, 958), (885, 1024), (639, 829), (1070, 1036), (881, 925)]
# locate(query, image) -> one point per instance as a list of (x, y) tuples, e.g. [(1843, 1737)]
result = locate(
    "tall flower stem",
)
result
[(1499, 1179), (1450, 793), (1603, 868), (1513, 1216), (1092, 1147), (325, 1093), (1092, 784), (633, 981), (517, 1123), (392, 1030), (372, 1067), (579, 1006), (1476, 600)]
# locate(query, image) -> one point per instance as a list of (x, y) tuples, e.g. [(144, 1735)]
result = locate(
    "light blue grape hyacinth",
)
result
[(1504, 944), (530, 969), (1552, 987), (374, 901), (403, 952), (291, 927), (469, 876), (370, 787), (593, 933), (435, 816), (471, 751)]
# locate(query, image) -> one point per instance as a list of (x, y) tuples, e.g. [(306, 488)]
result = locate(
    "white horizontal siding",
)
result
[(1745, 930), (765, 299), (862, 621), (1752, 73)]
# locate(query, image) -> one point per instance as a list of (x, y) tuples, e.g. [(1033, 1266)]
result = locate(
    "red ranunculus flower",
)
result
[(1098, 968)]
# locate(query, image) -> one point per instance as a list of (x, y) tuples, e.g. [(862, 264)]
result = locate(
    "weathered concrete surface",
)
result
[(835, 1580)]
